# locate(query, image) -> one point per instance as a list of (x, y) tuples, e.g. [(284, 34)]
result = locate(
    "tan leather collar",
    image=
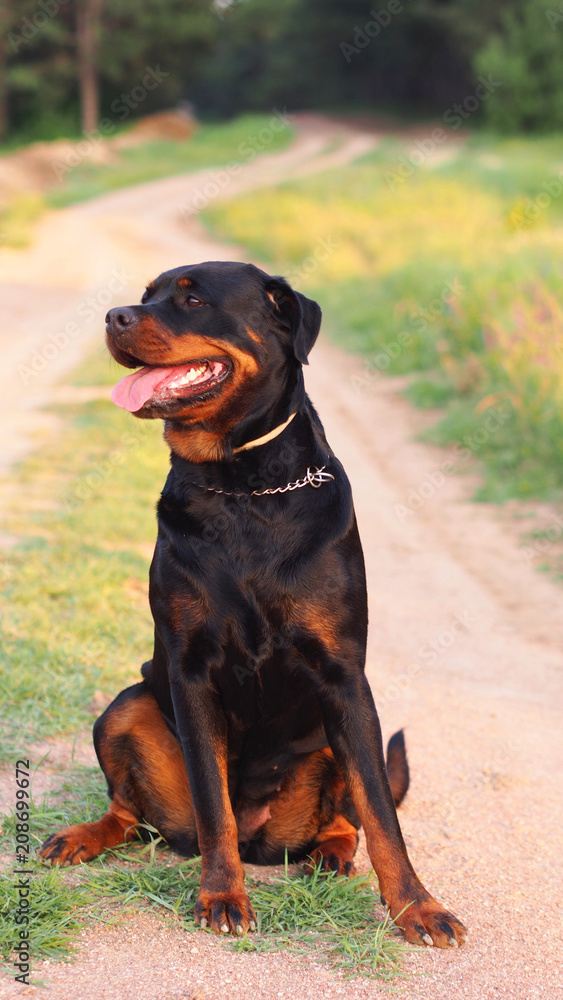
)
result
[(267, 437)]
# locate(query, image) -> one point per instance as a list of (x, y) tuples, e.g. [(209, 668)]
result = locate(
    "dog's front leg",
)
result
[(222, 902), (354, 734)]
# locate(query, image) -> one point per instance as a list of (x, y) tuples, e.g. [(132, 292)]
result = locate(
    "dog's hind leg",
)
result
[(147, 781), (312, 817), (337, 839), (335, 846)]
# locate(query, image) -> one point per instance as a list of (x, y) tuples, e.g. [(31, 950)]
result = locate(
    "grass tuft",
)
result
[(326, 916), (56, 915)]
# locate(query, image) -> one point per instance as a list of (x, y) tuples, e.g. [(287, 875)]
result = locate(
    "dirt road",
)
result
[(465, 644)]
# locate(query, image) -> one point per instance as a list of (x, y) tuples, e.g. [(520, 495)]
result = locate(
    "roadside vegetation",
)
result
[(213, 145), (334, 919), (76, 617), (448, 269), (210, 145)]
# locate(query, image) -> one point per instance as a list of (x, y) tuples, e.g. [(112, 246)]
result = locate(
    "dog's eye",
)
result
[(193, 301)]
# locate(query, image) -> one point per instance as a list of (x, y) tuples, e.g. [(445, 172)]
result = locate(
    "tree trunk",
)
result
[(4, 24), (87, 43)]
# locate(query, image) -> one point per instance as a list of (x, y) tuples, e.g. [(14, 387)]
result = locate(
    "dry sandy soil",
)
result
[(465, 637)]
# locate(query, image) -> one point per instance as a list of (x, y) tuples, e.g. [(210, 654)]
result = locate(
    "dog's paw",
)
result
[(331, 859), (427, 923), (225, 912), (70, 846)]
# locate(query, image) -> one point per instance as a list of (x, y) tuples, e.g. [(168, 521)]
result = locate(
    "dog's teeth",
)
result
[(188, 377)]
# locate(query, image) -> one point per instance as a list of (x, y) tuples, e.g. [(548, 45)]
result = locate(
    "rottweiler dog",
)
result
[(253, 732)]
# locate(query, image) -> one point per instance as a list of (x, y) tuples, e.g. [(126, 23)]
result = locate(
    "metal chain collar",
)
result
[(313, 478)]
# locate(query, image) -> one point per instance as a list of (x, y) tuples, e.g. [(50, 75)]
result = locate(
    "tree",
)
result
[(3, 67), (67, 62), (88, 13), (526, 55), (410, 56)]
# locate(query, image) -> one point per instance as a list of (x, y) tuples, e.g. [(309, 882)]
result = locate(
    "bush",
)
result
[(527, 57)]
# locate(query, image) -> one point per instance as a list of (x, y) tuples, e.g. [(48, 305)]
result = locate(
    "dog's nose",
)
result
[(120, 319)]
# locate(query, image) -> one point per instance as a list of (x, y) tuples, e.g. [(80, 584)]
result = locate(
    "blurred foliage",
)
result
[(452, 273), (40, 71), (18, 217), (413, 57), (211, 145), (74, 590), (526, 55)]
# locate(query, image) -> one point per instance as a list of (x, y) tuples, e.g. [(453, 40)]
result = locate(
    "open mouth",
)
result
[(159, 385)]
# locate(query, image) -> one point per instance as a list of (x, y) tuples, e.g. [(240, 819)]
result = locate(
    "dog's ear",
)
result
[(296, 312)]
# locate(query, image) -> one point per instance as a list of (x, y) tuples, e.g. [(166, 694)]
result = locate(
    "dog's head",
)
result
[(216, 344)]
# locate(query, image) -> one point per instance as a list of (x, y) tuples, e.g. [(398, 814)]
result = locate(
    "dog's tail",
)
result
[(398, 766)]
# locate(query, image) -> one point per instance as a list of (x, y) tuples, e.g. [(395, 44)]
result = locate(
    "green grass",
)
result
[(57, 902), (330, 918), (55, 912), (76, 614), (450, 275), (209, 146), (327, 916), (18, 218)]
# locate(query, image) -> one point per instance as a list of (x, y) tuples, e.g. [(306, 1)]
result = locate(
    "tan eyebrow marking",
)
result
[(185, 281), (253, 335)]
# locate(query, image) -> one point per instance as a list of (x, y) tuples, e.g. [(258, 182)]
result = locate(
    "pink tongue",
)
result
[(133, 391)]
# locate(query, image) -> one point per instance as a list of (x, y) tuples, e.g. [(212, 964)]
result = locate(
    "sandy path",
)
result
[(465, 647), (102, 253)]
